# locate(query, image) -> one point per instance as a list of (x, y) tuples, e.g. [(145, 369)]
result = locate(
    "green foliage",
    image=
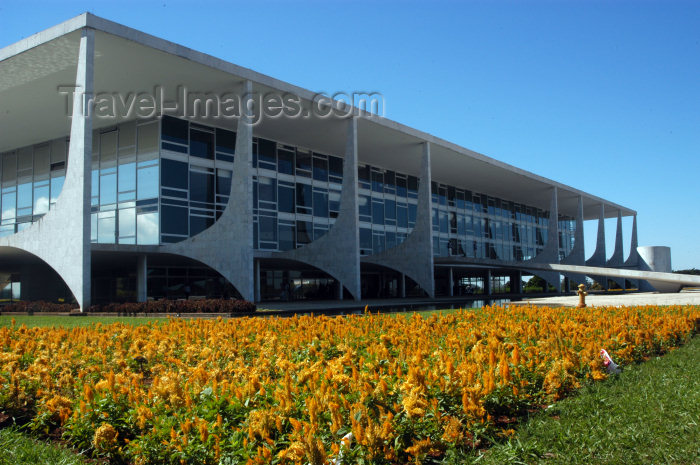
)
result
[(537, 284), (19, 449), (649, 414), (693, 271)]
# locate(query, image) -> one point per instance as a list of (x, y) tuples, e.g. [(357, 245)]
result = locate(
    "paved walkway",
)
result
[(685, 297), (374, 304)]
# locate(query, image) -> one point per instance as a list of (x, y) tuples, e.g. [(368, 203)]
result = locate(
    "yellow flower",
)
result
[(414, 404), (292, 454), (105, 438)]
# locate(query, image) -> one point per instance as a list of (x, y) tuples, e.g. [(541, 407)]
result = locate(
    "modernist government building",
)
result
[(134, 168)]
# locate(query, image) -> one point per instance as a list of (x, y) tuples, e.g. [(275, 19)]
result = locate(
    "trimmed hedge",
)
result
[(178, 306), (131, 308), (38, 306)]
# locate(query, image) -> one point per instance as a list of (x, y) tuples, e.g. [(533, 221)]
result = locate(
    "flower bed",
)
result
[(286, 390)]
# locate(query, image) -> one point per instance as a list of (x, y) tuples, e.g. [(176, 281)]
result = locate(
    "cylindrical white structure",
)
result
[(657, 258)]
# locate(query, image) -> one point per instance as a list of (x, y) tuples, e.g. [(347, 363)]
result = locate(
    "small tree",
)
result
[(537, 284)]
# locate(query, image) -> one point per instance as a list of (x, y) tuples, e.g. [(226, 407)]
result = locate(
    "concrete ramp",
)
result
[(663, 282)]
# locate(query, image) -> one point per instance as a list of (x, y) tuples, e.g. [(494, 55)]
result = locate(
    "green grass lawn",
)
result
[(31, 321), (19, 449), (650, 414)]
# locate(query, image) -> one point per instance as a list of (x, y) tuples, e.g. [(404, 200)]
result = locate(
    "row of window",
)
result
[(125, 178), (163, 182), (479, 226), (297, 196), (32, 179)]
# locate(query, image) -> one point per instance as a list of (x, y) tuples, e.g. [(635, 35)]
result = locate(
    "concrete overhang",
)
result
[(128, 62)]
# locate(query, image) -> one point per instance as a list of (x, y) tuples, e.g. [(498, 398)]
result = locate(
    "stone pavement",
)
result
[(685, 297)]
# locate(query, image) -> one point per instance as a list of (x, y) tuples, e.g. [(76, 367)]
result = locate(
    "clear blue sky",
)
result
[(600, 95)]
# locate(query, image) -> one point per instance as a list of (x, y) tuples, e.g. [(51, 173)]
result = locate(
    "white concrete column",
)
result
[(618, 255), (550, 252), (451, 283), (141, 278), (414, 256), (340, 291), (61, 238), (344, 236), (80, 152), (599, 255), (633, 259), (425, 210), (577, 255), (227, 245), (242, 190)]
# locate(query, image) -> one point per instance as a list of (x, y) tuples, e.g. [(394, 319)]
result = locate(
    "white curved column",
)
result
[(599, 255), (338, 251), (633, 260), (227, 245), (550, 252), (61, 238), (414, 256), (577, 255), (617, 258)]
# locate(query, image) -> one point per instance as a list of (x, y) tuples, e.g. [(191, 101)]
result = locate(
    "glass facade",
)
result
[(158, 182), (297, 199), (125, 178), (296, 194), (31, 180), (475, 225), (196, 171), (171, 282), (388, 204)]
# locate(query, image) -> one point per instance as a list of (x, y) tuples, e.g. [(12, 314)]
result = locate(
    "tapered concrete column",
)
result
[(618, 254), (550, 252), (80, 152), (451, 282), (633, 259), (141, 278), (616, 261), (344, 236), (402, 285), (519, 285), (599, 255), (242, 191), (487, 282), (577, 255), (227, 245), (61, 238), (414, 256)]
